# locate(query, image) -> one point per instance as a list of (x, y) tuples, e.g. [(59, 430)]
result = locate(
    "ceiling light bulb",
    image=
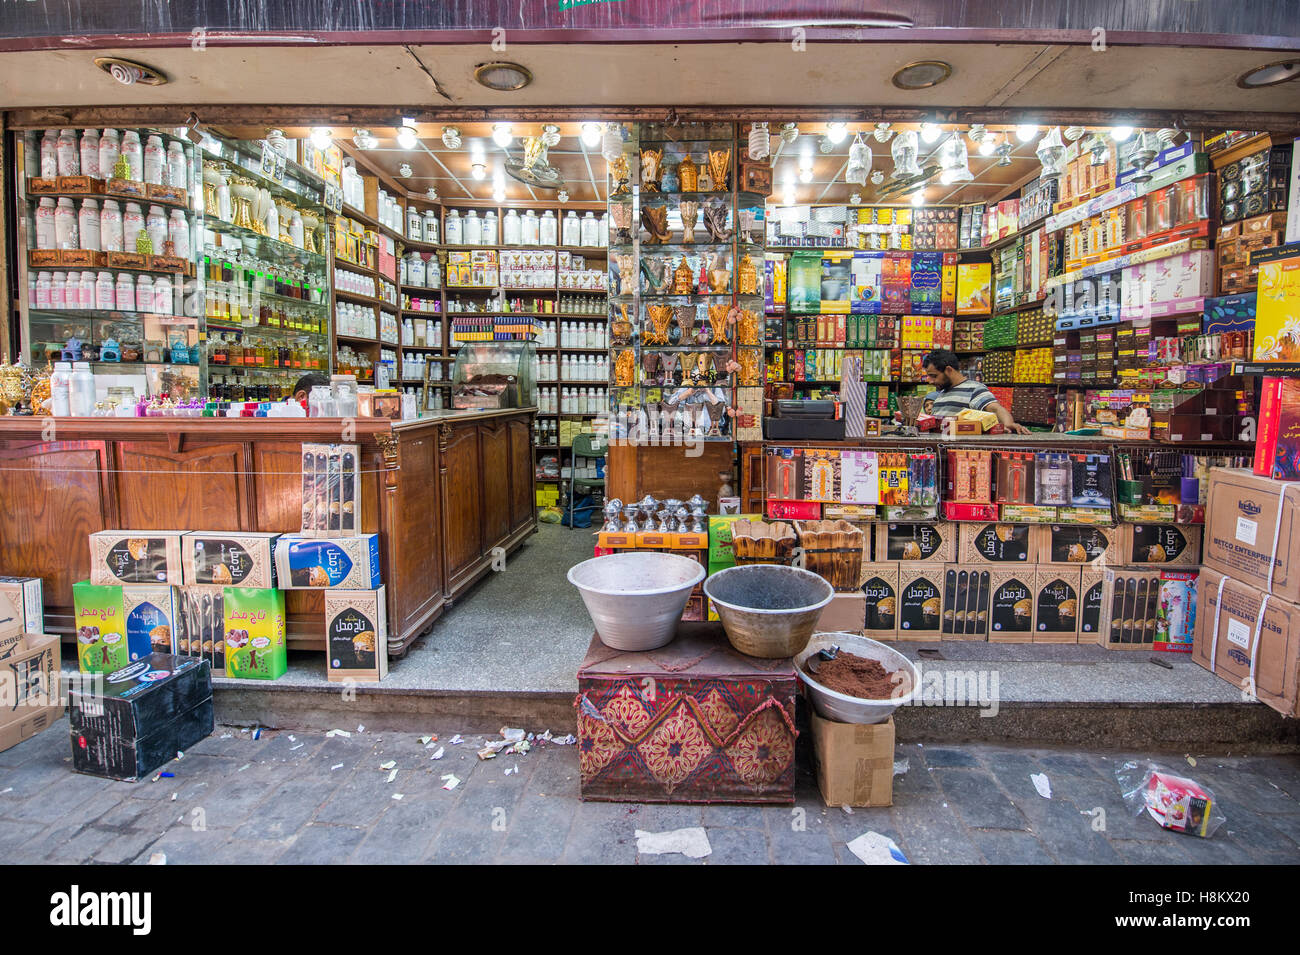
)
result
[(1026, 131), (987, 144), (930, 132), (855, 199), (883, 133), (451, 137), (501, 135), (805, 174), (562, 196), (407, 138), (551, 135), (788, 197), (320, 137), (877, 177), (1074, 133), (947, 177), (478, 170), (499, 195), (431, 193), (836, 132), (918, 197), (789, 132), (591, 135), (1121, 133), (976, 132), (404, 170), (824, 145), (364, 139)]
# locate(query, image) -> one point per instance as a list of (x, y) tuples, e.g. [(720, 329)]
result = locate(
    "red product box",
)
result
[(1277, 452), (961, 511), (795, 510), (1178, 803)]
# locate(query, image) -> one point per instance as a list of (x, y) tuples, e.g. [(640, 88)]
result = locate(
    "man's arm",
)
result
[(1004, 416)]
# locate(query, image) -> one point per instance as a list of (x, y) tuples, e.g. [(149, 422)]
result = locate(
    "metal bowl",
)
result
[(636, 599), (768, 610), (850, 709)]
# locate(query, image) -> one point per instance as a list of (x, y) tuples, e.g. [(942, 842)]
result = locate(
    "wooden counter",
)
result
[(446, 494)]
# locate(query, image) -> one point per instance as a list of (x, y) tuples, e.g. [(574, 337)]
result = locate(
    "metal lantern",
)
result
[(1051, 153), (760, 141), (904, 152), (1145, 149), (859, 162), (954, 160)]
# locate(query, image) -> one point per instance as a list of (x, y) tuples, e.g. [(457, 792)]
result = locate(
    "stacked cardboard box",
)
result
[(1248, 624)]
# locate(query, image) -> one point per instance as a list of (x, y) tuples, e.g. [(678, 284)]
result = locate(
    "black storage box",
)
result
[(148, 711), (803, 429)]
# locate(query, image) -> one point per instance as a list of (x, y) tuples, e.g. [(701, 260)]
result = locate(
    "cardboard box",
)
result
[(201, 626), (846, 612), (1176, 613), (966, 597), (136, 557), (1128, 619), (254, 633), (1169, 545), (1092, 600), (145, 714), (101, 629), (1078, 544), (927, 543), (229, 559), (997, 544), (880, 591), (150, 613), (1233, 640), (1056, 604), (30, 695), (356, 635), (1277, 450), (1252, 524), (920, 601), (1011, 604), (855, 762), (22, 608), (304, 563)]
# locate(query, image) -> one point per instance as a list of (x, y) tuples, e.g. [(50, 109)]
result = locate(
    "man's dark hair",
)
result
[(941, 359), (308, 381)]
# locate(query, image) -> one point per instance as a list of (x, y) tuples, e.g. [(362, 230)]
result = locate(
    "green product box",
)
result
[(714, 567), (720, 551), (254, 633), (102, 645)]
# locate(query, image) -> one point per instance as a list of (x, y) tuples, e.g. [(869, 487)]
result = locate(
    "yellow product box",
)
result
[(1277, 337)]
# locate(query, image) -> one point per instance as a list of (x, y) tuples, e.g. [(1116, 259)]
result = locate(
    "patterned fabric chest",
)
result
[(692, 722)]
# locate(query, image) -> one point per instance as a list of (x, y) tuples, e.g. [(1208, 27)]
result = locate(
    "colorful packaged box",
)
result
[(303, 563), (331, 490), (1277, 336), (151, 615), (356, 635), (202, 623), (1277, 450), (229, 559), (1128, 620), (929, 543), (1170, 545), (1092, 600), (1176, 613), (254, 633), (1011, 604), (966, 595), (101, 628), (997, 544), (22, 609), (1078, 544), (1056, 605), (920, 602), (881, 592), (136, 557), (975, 288)]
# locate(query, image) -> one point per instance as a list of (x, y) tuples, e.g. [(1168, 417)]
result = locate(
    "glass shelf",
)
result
[(105, 315), (646, 248), (266, 246), (254, 296), (246, 156)]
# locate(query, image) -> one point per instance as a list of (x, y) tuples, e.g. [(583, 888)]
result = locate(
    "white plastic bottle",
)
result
[(87, 289), (155, 158), (43, 283), (132, 223), (65, 224), (68, 153), (90, 153), (110, 147), (88, 221), (124, 293), (50, 154), (155, 224), (178, 232), (144, 293), (59, 290), (45, 232), (81, 390), (134, 154), (105, 293), (110, 227), (177, 173), (546, 230), (162, 296), (61, 389)]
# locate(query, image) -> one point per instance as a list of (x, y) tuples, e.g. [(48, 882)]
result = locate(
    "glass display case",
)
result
[(686, 248), (169, 267), (494, 375)]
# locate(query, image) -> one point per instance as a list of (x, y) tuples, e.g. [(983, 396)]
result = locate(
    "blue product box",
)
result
[(310, 563), (1229, 313)]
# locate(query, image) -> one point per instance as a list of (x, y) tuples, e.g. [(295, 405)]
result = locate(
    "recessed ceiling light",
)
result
[(1270, 74), (918, 197), (406, 135), (129, 72), (930, 132), (364, 139), (502, 76), (404, 170), (478, 170), (922, 74), (1121, 133), (451, 137)]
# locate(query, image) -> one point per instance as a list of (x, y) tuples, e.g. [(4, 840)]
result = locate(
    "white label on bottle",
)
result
[(1239, 633), (1246, 530)]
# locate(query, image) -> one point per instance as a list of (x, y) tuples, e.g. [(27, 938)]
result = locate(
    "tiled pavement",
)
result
[(305, 798)]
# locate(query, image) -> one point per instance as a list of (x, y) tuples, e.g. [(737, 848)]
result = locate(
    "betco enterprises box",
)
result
[(855, 762), (136, 557), (21, 606), (30, 698), (1252, 526), (229, 559), (350, 563), (1233, 637), (356, 635)]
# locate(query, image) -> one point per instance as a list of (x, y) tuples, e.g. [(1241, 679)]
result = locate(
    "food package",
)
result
[(1174, 802)]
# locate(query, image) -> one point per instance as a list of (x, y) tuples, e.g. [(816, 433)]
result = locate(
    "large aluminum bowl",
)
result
[(831, 705), (768, 610), (636, 599)]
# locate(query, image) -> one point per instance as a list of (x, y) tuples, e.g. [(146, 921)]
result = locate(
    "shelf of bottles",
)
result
[(685, 248), (109, 220)]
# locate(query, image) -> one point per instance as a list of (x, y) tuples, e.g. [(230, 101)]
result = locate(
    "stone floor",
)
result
[(309, 798)]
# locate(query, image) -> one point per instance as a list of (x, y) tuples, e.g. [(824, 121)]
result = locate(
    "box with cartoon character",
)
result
[(254, 633), (102, 645)]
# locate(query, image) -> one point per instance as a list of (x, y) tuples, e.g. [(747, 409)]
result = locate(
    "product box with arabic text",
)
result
[(920, 601), (152, 616), (254, 633), (880, 588), (1011, 604), (136, 557), (350, 563), (102, 645), (1056, 604), (356, 635), (966, 595), (929, 543), (230, 558), (1252, 531)]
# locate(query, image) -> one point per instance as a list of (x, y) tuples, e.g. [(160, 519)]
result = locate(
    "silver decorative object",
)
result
[(696, 503), (629, 520)]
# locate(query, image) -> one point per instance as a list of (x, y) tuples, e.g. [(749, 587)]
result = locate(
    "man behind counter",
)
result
[(956, 392)]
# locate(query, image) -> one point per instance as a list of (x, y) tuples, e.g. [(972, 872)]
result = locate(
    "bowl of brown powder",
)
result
[(865, 682)]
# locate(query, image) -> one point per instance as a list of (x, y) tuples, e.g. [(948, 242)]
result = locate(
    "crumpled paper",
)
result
[(692, 842)]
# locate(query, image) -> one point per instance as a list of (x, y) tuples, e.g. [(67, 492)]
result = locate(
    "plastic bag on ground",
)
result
[(1173, 801)]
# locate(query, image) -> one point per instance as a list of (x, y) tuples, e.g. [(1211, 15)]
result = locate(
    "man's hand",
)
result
[(1017, 428)]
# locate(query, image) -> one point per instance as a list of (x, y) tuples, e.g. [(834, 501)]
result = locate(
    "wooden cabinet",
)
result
[(440, 492)]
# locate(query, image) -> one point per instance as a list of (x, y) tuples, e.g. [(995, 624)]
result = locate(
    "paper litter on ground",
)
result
[(438, 754), (388, 765), (332, 733), (361, 727), (227, 735), (512, 735), (429, 740), (398, 796), (336, 766), (874, 849), (692, 842), (450, 781), (901, 766), (158, 858), (299, 746), (244, 767), (512, 770), (1042, 784), (456, 740), (392, 775), (848, 809)]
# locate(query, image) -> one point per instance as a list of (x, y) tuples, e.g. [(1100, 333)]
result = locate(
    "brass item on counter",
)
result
[(655, 220), (689, 174), (683, 279), (660, 317), (686, 315), (719, 275), (621, 174), (748, 373), (747, 276), (719, 161), (625, 369), (718, 322), (715, 220), (747, 328), (651, 168)]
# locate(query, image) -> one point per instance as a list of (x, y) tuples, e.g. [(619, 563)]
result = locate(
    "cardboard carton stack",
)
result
[(1248, 622)]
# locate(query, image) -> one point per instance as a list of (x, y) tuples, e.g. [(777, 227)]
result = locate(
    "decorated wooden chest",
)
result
[(692, 722)]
